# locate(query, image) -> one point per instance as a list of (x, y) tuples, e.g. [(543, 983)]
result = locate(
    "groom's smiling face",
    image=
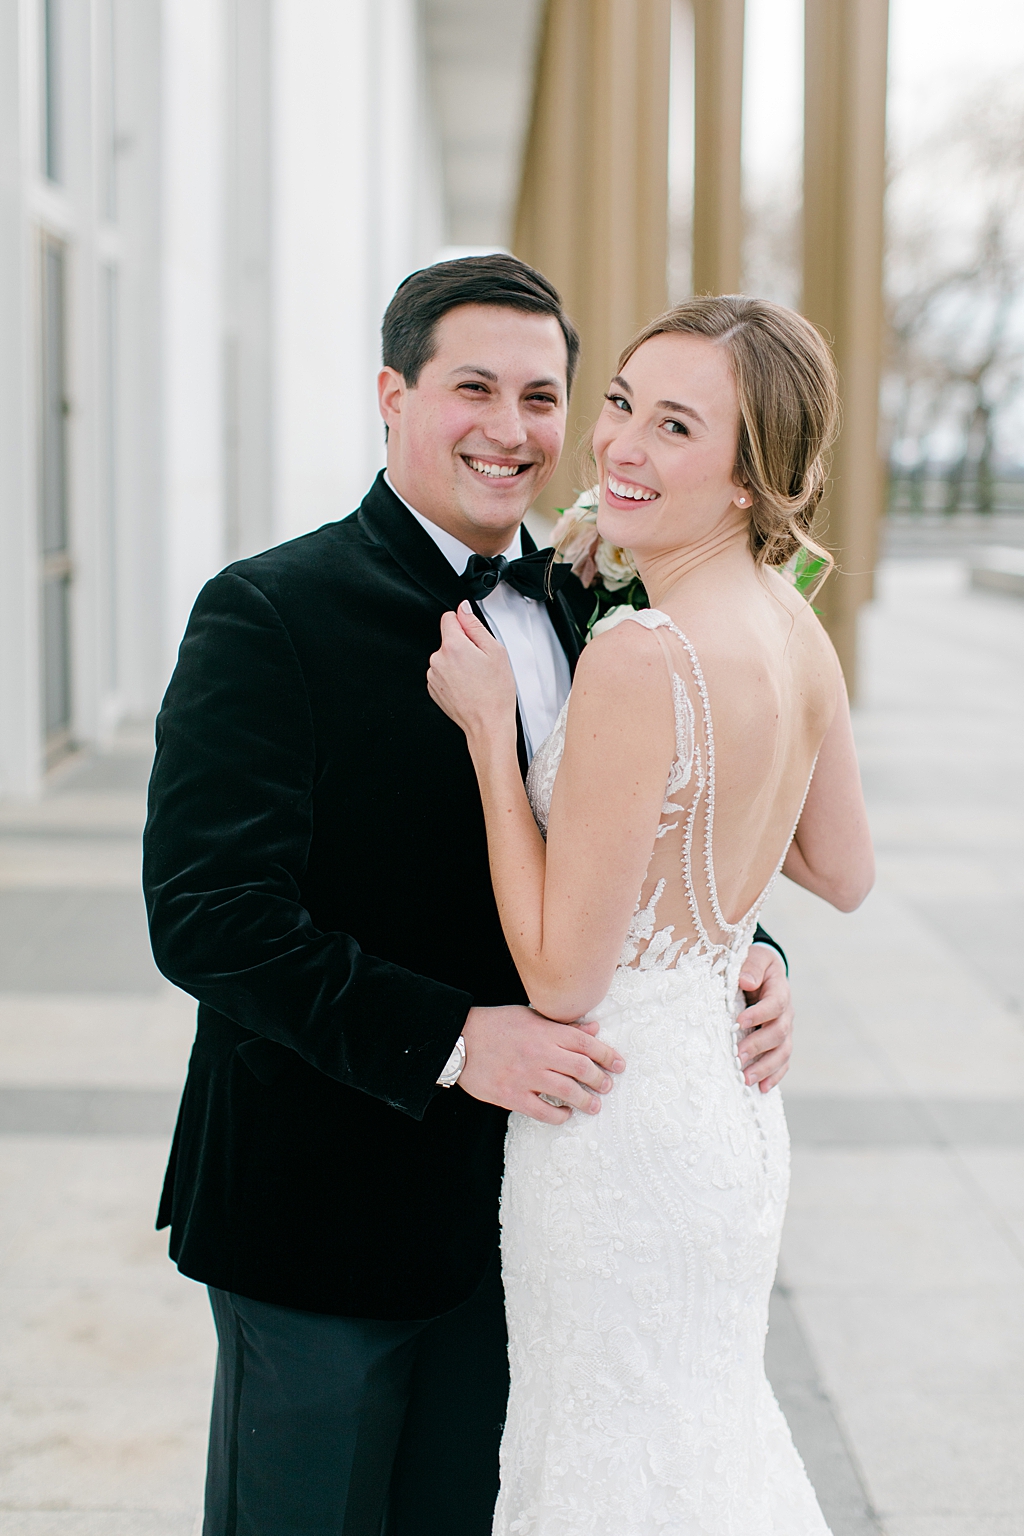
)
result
[(475, 441)]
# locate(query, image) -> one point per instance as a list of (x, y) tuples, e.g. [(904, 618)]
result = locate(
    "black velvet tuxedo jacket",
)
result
[(316, 876)]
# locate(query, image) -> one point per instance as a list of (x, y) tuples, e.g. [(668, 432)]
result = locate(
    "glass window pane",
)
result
[(50, 51), (56, 657), (53, 468), (55, 569)]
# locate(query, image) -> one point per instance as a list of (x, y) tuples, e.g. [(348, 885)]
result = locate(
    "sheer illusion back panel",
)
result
[(705, 832)]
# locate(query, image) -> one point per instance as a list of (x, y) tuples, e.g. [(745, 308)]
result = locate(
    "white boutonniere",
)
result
[(606, 570)]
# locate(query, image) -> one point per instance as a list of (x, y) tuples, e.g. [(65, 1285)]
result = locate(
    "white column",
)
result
[(248, 439), (409, 178), (321, 94), (78, 190), (20, 744), (356, 206), (192, 224), (140, 564)]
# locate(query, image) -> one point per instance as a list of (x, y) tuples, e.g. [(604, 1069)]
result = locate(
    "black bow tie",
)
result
[(535, 575)]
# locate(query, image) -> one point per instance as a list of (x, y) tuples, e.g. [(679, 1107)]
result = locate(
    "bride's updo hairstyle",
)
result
[(788, 395)]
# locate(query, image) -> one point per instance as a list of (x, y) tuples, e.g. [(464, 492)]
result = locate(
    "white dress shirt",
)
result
[(539, 665)]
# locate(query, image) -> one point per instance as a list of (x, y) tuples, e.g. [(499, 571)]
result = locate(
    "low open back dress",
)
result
[(639, 1246)]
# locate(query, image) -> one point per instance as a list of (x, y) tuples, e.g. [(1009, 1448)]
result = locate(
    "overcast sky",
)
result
[(936, 49)]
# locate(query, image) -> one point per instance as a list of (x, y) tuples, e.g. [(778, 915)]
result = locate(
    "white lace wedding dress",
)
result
[(639, 1245)]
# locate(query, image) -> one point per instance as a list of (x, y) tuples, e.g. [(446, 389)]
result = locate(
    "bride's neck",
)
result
[(723, 553)]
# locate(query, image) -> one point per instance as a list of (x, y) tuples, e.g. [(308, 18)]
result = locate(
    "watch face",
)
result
[(453, 1066)]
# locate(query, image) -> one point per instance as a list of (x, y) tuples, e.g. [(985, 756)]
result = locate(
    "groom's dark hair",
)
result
[(500, 280)]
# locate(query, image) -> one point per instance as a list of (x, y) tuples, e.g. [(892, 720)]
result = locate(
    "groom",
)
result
[(316, 876)]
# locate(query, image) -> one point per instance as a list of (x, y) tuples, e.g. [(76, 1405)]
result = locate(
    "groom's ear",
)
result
[(391, 390)]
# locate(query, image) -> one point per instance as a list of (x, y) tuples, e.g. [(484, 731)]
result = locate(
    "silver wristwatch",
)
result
[(454, 1065)]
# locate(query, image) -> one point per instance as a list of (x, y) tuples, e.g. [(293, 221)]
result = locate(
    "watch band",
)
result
[(454, 1065)]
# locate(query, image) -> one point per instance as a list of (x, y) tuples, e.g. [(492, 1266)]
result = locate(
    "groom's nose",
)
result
[(504, 425)]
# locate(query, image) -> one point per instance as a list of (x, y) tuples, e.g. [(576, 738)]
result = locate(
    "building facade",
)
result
[(204, 208)]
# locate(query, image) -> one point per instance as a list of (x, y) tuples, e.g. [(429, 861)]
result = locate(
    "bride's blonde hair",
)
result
[(788, 395)]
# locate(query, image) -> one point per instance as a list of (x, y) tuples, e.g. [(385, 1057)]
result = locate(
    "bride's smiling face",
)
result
[(665, 445)]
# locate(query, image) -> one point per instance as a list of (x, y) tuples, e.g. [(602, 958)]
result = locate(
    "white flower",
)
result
[(587, 501), (615, 616), (615, 565)]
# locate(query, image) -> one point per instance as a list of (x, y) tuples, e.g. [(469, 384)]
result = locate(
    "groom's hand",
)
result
[(513, 1055), (764, 1053)]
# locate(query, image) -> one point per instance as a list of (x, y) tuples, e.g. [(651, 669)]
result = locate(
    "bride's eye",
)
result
[(677, 428), (620, 403)]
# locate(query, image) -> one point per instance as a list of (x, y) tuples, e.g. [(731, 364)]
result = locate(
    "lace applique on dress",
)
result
[(540, 780)]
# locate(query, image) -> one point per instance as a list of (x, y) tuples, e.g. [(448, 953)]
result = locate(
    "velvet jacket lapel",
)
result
[(393, 525), (421, 560)]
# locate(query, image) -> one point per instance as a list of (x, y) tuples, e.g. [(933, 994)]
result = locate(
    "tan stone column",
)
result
[(846, 50), (718, 120), (593, 200)]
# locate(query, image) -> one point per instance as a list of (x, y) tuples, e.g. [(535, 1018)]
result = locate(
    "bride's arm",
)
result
[(565, 907), (831, 853)]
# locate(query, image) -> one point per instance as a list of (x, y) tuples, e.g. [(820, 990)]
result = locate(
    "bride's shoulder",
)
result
[(806, 634), (625, 660), (782, 588), (621, 699), (757, 653)]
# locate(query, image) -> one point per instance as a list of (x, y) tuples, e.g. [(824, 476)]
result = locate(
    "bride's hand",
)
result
[(470, 677)]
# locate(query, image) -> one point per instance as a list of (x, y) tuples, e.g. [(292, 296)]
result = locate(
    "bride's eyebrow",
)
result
[(684, 410)]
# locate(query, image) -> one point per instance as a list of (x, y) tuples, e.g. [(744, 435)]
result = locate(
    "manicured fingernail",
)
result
[(606, 1085), (464, 607), (618, 1065), (594, 1106)]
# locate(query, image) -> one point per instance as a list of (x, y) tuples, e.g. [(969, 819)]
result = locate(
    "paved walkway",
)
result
[(904, 1249), (897, 1341)]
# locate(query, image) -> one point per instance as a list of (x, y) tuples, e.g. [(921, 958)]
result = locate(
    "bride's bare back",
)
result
[(764, 686), (726, 731)]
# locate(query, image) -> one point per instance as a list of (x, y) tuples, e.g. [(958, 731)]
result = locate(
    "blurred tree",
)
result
[(955, 295)]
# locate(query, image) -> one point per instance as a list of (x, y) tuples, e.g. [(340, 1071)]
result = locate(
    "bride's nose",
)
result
[(627, 447)]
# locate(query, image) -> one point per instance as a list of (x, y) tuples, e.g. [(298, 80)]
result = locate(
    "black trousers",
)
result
[(339, 1426)]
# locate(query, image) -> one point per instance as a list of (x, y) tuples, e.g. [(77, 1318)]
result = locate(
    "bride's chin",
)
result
[(614, 525)]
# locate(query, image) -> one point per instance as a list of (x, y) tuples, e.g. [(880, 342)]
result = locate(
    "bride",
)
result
[(705, 746)]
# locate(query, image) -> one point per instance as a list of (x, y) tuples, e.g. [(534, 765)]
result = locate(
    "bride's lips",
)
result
[(629, 493), (496, 471)]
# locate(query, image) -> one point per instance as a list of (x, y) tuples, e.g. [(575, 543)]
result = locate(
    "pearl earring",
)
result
[(741, 500)]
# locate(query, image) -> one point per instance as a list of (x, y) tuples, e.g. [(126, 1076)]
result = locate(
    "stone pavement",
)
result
[(897, 1340), (903, 1258)]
